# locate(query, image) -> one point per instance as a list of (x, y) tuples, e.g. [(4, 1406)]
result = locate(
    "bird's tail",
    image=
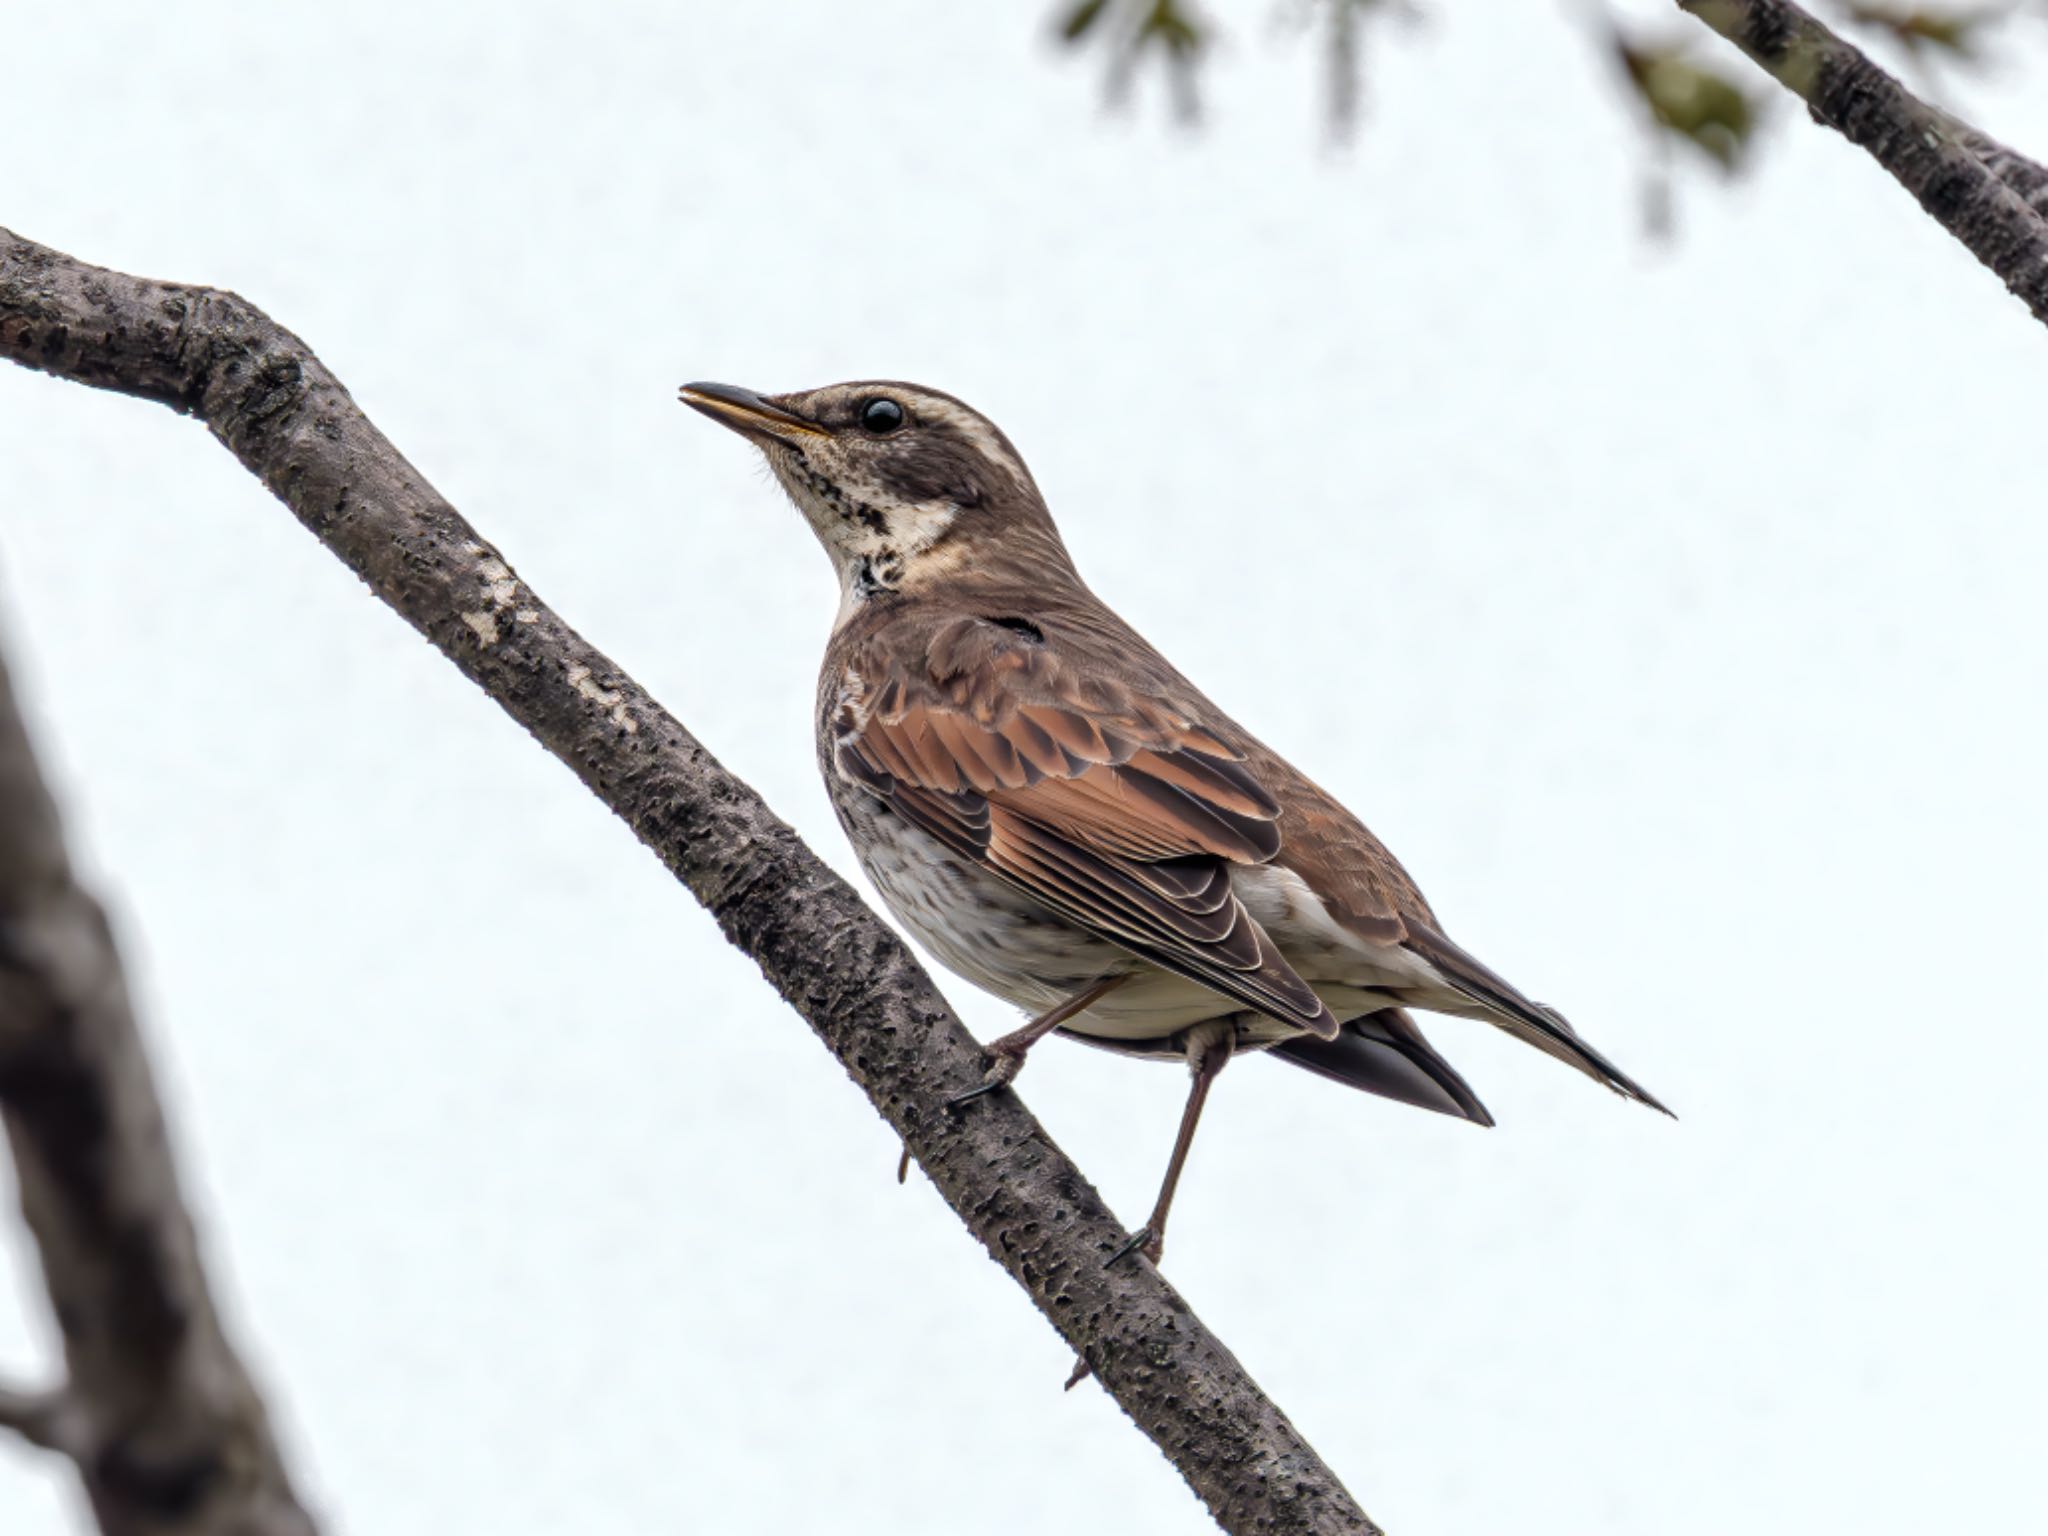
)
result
[(1384, 1053), (1499, 1003)]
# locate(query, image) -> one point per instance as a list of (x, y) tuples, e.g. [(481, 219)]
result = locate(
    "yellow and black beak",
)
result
[(747, 413)]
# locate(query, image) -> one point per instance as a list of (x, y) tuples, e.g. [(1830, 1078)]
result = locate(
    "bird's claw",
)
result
[(1144, 1241), (1002, 1072), (960, 1099)]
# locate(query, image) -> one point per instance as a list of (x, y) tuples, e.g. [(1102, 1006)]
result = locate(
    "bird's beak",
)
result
[(747, 413)]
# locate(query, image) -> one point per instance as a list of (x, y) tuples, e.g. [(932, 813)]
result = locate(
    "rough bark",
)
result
[(1991, 198), (277, 409), (156, 1412)]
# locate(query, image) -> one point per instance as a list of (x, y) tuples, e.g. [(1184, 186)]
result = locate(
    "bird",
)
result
[(1061, 818)]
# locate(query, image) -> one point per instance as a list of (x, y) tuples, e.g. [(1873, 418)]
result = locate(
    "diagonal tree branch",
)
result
[(156, 1413), (277, 409), (1993, 199)]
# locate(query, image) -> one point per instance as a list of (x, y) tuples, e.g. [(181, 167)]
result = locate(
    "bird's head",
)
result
[(903, 485)]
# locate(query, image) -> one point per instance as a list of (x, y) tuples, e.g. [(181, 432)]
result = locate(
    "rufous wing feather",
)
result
[(1109, 808)]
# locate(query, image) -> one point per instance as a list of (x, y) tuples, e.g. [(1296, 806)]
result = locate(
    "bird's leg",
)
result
[(1008, 1051), (1209, 1046)]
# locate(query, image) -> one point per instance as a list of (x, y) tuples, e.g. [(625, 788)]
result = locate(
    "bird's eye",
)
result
[(880, 416)]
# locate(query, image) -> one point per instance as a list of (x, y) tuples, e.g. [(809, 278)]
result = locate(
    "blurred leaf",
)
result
[(1142, 29), (1693, 101), (1081, 18), (1922, 32), (1166, 25)]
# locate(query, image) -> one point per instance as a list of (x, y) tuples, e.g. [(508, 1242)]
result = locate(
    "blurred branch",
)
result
[(40, 1418), (289, 421), (1344, 24), (157, 1413), (1992, 199)]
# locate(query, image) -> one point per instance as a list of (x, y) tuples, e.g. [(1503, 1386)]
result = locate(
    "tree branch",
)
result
[(157, 1413), (42, 1419), (290, 422), (1989, 197)]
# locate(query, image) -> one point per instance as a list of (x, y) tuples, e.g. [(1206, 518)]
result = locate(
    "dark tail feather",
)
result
[(1545, 1028), (1384, 1053)]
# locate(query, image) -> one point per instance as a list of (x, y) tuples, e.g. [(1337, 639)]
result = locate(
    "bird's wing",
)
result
[(1105, 805)]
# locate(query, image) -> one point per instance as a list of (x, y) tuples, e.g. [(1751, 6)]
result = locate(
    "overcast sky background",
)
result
[(1673, 612)]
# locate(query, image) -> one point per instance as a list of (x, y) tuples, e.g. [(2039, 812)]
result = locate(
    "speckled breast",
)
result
[(983, 929)]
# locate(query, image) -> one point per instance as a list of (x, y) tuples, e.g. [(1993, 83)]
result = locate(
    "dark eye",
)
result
[(880, 416)]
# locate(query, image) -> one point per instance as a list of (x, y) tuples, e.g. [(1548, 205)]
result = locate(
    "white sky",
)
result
[(1673, 612)]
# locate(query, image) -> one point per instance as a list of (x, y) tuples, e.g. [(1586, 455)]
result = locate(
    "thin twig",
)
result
[(264, 394)]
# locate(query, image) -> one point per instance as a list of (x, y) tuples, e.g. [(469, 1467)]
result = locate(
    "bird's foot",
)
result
[(1002, 1071), (1146, 1241)]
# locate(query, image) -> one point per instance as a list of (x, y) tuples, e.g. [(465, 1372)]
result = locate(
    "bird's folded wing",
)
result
[(1109, 808)]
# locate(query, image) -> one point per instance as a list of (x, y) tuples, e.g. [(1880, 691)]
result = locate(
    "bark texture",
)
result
[(156, 1411), (1991, 198), (266, 397)]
